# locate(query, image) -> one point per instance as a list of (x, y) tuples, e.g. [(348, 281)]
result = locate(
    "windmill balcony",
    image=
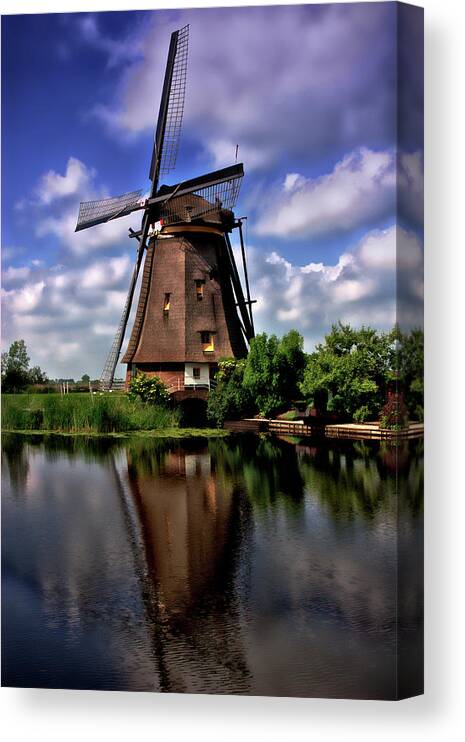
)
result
[(177, 384)]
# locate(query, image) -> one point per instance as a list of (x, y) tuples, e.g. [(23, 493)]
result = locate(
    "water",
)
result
[(246, 565)]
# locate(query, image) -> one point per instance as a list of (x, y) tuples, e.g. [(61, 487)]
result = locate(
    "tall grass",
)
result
[(87, 413)]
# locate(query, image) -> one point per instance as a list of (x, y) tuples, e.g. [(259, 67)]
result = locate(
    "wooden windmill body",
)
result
[(186, 318), (191, 309)]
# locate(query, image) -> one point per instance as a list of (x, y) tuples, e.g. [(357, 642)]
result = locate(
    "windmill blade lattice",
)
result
[(99, 212), (176, 104), (201, 202), (108, 373), (166, 145)]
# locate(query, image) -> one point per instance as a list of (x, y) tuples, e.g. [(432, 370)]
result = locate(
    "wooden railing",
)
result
[(179, 385)]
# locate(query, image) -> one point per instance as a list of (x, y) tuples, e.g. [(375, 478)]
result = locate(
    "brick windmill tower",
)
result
[(191, 309)]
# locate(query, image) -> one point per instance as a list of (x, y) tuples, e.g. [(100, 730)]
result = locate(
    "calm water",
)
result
[(251, 565)]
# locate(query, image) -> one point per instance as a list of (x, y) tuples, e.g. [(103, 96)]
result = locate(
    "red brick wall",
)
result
[(169, 376)]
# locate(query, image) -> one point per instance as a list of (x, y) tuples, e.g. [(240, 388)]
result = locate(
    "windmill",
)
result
[(191, 309)]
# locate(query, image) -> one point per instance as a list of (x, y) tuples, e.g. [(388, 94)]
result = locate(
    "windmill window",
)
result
[(208, 344), (196, 372), (199, 284), (166, 304)]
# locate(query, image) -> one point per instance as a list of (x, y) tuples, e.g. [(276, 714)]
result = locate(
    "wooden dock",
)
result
[(372, 431), (350, 431), (248, 425), (289, 427)]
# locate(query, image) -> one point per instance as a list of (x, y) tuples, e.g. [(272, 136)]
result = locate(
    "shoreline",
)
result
[(156, 433)]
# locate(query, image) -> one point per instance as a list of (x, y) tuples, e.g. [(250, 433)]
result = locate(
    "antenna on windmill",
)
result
[(165, 206)]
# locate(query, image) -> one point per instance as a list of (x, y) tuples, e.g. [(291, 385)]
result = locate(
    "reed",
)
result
[(73, 413)]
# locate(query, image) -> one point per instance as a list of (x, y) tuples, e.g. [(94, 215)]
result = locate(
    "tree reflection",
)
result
[(15, 458)]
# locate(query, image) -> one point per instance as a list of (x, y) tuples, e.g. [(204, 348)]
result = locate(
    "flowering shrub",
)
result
[(394, 414), (149, 389)]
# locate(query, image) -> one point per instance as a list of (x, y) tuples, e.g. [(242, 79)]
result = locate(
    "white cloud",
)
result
[(223, 152), (58, 201), (53, 186), (106, 274), (67, 316), (241, 92), (117, 50), (102, 236), (360, 189), (25, 299), (377, 250), (366, 286), (410, 183), (292, 181), (13, 275)]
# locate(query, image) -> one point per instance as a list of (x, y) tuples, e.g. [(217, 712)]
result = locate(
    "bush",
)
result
[(362, 414), (149, 389), (394, 415), (228, 400)]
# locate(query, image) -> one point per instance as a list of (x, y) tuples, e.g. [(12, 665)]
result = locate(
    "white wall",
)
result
[(189, 373)]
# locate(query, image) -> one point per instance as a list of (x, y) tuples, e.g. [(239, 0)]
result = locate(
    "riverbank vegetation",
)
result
[(354, 375), (17, 374), (84, 413)]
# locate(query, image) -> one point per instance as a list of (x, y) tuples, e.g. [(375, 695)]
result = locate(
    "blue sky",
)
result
[(310, 95)]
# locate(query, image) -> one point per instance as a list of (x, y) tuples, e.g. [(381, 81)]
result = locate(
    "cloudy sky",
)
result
[(333, 187)]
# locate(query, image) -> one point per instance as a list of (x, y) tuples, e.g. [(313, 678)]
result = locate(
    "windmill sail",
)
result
[(99, 212), (108, 373), (166, 144), (202, 201)]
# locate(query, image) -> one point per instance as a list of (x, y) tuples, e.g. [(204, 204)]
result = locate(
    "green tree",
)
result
[(292, 360), (37, 376), (229, 400), (85, 378), (264, 382), (261, 374), (149, 389), (273, 370), (352, 368), (409, 363), (15, 367)]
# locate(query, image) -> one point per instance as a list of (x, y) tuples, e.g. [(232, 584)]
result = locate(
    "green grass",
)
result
[(84, 413), (290, 415)]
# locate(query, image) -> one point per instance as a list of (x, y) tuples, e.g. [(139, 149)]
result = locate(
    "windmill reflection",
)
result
[(190, 523)]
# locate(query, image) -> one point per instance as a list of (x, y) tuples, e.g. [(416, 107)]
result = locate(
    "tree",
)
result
[(353, 368), (85, 378), (273, 370), (16, 374), (264, 382), (15, 367), (37, 376), (292, 360), (409, 363), (229, 400)]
